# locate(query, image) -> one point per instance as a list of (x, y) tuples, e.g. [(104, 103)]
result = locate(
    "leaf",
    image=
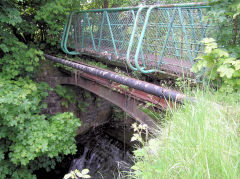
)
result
[(236, 64), (29, 69), (85, 171), (79, 174), (229, 61), (225, 71), (4, 48), (133, 139), (220, 52), (67, 176), (86, 176)]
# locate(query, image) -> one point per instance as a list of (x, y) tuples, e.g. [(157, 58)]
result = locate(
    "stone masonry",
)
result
[(97, 111)]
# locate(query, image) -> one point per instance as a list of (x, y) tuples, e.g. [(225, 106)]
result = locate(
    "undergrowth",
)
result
[(200, 140)]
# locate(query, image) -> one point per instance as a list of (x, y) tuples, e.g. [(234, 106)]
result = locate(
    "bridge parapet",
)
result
[(147, 38)]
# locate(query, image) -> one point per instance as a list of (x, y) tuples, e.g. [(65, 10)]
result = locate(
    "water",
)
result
[(104, 151), (102, 154)]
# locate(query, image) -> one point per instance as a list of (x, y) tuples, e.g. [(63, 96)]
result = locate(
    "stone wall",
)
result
[(97, 111)]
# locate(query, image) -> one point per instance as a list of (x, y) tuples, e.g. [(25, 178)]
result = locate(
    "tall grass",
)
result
[(200, 140)]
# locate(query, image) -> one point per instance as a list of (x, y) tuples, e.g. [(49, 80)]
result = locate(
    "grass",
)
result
[(200, 140)]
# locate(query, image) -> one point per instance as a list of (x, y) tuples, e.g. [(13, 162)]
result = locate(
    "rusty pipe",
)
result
[(153, 89)]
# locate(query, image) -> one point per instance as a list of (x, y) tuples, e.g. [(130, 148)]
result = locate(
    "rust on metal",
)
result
[(128, 81), (129, 105), (109, 85)]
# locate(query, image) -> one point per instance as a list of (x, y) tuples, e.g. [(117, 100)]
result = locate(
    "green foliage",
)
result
[(82, 105), (98, 64), (44, 161), (220, 63), (150, 110), (25, 134), (86, 94), (200, 140), (76, 173), (19, 60), (68, 95), (225, 16), (118, 113), (16, 57), (124, 87), (139, 130), (220, 66), (9, 14), (53, 15), (98, 102)]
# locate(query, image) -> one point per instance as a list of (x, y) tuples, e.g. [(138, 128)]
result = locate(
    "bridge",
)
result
[(149, 39)]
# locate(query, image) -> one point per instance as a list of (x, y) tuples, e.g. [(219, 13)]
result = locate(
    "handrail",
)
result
[(147, 6), (65, 37), (99, 36), (141, 39), (132, 38)]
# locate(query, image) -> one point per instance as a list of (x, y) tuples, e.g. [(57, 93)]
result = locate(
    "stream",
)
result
[(104, 151), (102, 155)]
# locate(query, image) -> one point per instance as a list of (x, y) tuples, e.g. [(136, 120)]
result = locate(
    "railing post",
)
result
[(132, 39), (101, 29), (141, 51), (89, 25), (193, 30), (83, 31), (185, 36), (173, 35), (204, 29), (110, 29), (65, 37)]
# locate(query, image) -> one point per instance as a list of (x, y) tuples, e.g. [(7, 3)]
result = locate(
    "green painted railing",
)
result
[(148, 38)]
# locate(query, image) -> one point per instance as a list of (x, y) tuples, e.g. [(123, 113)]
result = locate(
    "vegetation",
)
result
[(76, 173), (201, 140), (220, 63), (30, 140), (68, 95), (26, 134), (198, 141), (222, 67)]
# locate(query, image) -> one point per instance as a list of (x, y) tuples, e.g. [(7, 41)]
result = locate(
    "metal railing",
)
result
[(148, 38)]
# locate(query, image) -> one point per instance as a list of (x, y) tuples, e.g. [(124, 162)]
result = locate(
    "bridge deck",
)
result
[(170, 65)]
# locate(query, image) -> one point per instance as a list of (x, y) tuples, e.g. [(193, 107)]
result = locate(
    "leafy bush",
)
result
[(53, 15), (17, 59), (25, 134), (201, 140), (219, 66), (224, 17), (221, 59)]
